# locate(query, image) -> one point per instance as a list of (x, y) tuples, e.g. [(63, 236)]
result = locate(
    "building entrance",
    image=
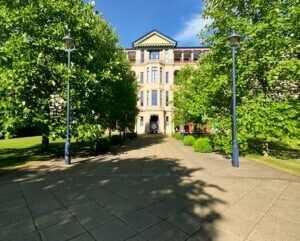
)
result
[(154, 127)]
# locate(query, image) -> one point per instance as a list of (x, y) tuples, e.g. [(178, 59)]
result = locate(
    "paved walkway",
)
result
[(154, 189)]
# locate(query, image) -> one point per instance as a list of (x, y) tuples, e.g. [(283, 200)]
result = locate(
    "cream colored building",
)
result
[(155, 59)]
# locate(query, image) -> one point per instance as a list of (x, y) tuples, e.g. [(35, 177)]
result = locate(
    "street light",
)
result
[(182, 120), (234, 41), (69, 46)]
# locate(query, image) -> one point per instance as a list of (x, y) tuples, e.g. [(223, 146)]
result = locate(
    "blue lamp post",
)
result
[(69, 46), (234, 40)]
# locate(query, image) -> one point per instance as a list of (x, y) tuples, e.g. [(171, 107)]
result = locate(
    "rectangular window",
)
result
[(167, 77), (147, 97), (141, 77), (142, 56), (160, 75), (154, 97), (167, 56), (147, 75), (154, 54), (160, 97), (167, 120), (142, 98), (154, 74), (167, 98), (142, 121)]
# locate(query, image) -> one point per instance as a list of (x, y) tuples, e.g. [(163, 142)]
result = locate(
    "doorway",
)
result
[(154, 127)]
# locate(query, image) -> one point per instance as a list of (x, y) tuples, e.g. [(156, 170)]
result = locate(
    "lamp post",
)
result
[(182, 120), (234, 40), (69, 46)]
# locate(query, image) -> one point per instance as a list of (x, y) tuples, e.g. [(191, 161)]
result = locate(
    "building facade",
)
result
[(155, 59)]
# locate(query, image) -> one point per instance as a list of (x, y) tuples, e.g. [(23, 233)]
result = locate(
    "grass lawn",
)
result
[(19, 152), (288, 165), (283, 155)]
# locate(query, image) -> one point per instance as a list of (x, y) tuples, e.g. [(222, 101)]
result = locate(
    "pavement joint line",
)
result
[(191, 160), (265, 212), (27, 206), (74, 216), (78, 236), (160, 178)]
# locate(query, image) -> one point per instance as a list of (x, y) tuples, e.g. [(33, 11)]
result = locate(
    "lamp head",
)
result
[(234, 38), (69, 42)]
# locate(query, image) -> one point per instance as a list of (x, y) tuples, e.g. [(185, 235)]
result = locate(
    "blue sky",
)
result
[(180, 19)]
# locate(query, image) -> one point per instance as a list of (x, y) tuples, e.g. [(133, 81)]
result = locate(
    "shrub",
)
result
[(202, 145), (116, 140), (131, 135), (189, 140), (177, 136), (102, 145)]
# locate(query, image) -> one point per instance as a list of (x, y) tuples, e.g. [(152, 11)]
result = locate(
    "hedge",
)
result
[(177, 136), (189, 140), (202, 145)]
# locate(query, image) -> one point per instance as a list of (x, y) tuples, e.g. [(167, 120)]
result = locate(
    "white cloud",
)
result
[(188, 34)]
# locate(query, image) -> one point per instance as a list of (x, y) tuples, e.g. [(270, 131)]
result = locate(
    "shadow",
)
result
[(14, 157), (144, 198), (282, 151), (275, 148), (142, 141)]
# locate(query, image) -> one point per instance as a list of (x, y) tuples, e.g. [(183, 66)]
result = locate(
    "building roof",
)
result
[(154, 39)]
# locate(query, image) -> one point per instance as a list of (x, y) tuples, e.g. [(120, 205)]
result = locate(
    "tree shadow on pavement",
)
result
[(142, 141), (109, 199)]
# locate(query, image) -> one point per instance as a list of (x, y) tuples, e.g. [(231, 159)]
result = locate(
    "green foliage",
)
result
[(116, 140), (33, 70), (267, 70), (189, 140), (131, 135), (177, 136), (202, 145), (102, 145), (183, 97)]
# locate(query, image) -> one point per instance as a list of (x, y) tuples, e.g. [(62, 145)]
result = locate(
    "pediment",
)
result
[(154, 39)]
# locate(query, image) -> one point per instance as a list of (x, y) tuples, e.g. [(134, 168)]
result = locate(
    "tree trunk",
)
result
[(45, 143)]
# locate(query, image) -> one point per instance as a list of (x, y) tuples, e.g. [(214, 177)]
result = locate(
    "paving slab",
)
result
[(151, 188), (113, 231), (62, 231), (140, 219)]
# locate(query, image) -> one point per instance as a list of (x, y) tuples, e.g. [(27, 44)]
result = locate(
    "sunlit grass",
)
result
[(287, 165), (18, 152)]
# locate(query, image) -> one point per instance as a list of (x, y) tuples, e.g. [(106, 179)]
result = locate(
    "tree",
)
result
[(267, 70), (33, 70)]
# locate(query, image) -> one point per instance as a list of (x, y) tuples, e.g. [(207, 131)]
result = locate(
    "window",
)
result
[(142, 56), (167, 98), (142, 121), (167, 77), (167, 56), (154, 54), (160, 75), (160, 97), (154, 74), (154, 98), (142, 98), (167, 120), (141, 77), (147, 97), (147, 75)]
